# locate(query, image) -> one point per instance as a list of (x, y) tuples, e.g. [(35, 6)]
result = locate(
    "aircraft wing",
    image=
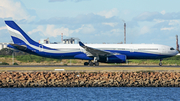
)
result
[(94, 51)]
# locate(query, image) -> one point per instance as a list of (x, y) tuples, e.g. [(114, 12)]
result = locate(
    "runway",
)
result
[(104, 66), (80, 68)]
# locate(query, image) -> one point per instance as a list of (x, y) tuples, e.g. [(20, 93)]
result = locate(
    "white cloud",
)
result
[(109, 14), (150, 16), (167, 28), (110, 24), (110, 33), (14, 9), (163, 12), (174, 22), (147, 16), (144, 30), (86, 29), (115, 31), (51, 31), (158, 20), (4, 27)]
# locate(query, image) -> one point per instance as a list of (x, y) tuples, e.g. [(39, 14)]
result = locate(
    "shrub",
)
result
[(72, 61), (15, 63), (31, 58), (4, 63)]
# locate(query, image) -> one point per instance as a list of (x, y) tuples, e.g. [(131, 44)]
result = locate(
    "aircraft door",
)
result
[(132, 49), (164, 51)]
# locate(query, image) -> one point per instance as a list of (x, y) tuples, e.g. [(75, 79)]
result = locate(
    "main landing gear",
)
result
[(90, 63), (160, 64)]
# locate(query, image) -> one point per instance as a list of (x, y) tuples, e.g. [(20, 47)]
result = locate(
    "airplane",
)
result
[(94, 53)]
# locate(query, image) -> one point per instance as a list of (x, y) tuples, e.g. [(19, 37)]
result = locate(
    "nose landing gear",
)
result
[(160, 64)]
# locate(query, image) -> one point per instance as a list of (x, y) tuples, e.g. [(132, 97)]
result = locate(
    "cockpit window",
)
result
[(171, 48)]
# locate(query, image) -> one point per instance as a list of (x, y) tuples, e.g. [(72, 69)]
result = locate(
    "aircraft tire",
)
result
[(96, 63), (90, 64), (160, 64), (86, 63)]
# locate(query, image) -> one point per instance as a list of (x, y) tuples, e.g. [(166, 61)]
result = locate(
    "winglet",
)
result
[(81, 44)]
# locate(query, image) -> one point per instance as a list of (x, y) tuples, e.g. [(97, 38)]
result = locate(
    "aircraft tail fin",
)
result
[(18, 35)]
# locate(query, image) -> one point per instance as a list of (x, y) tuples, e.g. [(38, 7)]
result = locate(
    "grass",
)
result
[(31, 58), (143, 61), (166, 61), (38, 59), (73, 61), (34, 58)]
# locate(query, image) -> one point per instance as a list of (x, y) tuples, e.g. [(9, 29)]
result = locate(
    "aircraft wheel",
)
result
[(96, 63), (160, 64), (86, 63), (90, 63)]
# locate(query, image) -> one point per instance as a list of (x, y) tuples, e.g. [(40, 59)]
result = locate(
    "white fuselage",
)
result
[(141, 48)]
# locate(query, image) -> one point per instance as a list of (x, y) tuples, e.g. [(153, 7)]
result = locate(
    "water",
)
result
[(91, 94)]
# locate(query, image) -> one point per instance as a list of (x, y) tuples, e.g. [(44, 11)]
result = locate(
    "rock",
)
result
[(86, 79), (82, 83)]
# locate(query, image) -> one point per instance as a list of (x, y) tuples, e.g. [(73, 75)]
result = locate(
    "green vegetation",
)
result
[(31, 58), (73, 61), (15, 63), (22, 56), (34, 58), (6, 51), (4, 63), (166, 61), (143, 61), (65, 64)]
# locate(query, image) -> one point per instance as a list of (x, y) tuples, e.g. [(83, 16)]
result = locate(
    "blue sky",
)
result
[(94, 21)]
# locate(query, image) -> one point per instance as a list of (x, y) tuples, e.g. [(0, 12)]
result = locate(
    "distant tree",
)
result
[(6, 51)]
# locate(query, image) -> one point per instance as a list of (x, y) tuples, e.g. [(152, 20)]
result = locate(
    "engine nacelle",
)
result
[(116, 59)]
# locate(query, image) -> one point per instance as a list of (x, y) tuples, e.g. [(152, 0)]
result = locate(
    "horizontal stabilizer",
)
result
[(20, 47)]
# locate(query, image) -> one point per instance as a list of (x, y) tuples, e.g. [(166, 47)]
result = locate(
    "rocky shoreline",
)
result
[(89, 79)]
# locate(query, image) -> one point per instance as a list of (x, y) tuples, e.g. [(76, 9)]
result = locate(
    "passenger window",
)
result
[(171, 48)]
